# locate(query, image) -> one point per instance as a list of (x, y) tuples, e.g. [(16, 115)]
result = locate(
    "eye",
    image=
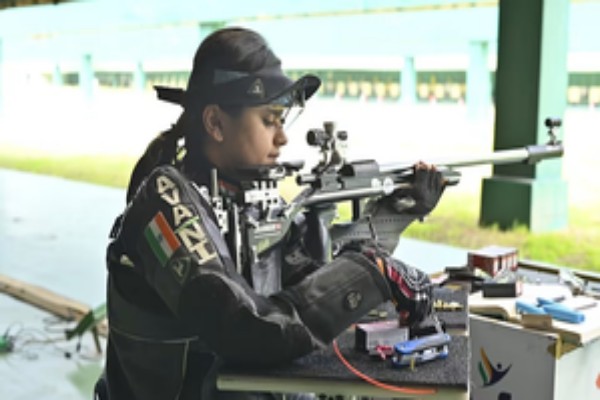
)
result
[(273, 120), (269, 121)]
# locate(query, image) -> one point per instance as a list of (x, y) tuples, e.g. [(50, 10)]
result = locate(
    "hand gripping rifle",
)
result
[(257, 218)]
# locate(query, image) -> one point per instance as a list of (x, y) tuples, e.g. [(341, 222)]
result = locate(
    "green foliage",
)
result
[(103, 170), (455, 222)]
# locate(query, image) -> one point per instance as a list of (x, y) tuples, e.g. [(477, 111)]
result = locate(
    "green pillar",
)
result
[(408, 81), (139, 77), (479, 94), (86, 76), (57, 78), (531, 83)]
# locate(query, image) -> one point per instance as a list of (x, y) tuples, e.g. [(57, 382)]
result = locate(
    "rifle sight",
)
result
[(325, 138), (551, 124)]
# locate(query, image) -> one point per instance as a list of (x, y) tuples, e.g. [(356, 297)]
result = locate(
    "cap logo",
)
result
[(352, 300), (257, 89)]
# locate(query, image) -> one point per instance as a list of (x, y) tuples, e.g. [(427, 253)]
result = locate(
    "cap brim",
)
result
[(275, 89), (295, 93), (169, 94)]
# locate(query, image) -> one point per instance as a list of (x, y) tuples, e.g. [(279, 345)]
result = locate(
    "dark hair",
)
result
[(235, 49)]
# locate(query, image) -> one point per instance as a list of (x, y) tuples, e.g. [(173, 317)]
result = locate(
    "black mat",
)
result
[(324, 364), (450, 372)]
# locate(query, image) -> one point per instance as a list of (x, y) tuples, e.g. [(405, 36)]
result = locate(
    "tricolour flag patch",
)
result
[(161, 238)]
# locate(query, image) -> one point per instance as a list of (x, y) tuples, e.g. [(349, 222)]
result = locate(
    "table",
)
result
[(322, 372), (514, 359)]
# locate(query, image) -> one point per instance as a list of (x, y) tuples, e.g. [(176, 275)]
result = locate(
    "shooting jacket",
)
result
[(177, 308)]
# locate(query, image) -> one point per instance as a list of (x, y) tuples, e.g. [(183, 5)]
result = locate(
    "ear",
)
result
[(211, 118)]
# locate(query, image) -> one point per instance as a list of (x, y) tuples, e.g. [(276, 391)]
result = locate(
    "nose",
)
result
[(280, 138)]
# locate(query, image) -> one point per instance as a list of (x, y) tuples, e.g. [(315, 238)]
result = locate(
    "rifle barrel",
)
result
[(528, 154)]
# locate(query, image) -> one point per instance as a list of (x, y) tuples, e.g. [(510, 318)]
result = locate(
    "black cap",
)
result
[(235, 66)]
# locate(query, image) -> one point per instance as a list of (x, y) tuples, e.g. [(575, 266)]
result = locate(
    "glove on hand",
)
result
[(411, 288), (423, 195)]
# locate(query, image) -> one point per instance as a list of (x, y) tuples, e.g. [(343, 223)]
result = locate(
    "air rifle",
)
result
[(257, 219), (334, 179)]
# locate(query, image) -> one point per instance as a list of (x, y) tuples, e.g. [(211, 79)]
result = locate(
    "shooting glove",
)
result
[(427, 186), (411, 288)]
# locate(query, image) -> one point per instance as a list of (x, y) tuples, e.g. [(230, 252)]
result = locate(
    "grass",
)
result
[(109, 170), (454, 222)]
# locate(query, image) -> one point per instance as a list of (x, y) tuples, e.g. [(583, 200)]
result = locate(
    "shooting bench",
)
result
[(322, 372)]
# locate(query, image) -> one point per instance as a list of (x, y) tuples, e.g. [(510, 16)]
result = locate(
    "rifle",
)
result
[(257, 219)]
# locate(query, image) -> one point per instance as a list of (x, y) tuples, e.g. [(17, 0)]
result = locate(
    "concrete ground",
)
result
[(53, 235)]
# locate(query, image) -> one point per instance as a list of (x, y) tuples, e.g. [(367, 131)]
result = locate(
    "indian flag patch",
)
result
[(161, 238)]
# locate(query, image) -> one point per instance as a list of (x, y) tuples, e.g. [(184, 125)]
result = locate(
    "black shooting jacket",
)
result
[(177, 308)]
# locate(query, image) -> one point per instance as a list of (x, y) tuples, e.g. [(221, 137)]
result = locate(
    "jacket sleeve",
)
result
[(168, 232), (381, 217)]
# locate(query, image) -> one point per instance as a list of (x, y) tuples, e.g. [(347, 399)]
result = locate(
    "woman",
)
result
[(177, 307)]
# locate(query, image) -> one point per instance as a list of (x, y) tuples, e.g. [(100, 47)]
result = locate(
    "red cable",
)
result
[(377, 383)]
